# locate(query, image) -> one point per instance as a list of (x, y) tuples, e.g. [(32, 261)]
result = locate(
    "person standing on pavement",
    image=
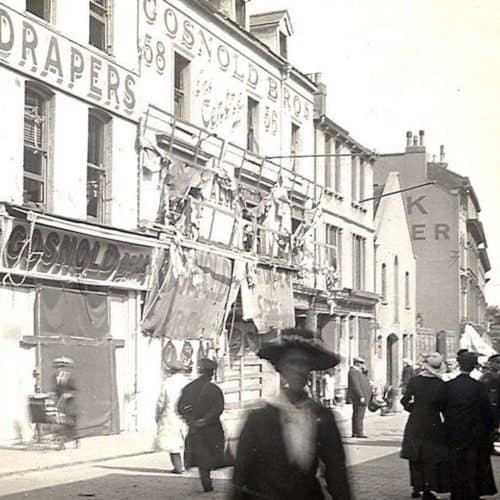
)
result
[(201, 405), (469, 422), (491, 378), (359, 393), (282, 443), (407, 373), (424, 441), (171, 430)]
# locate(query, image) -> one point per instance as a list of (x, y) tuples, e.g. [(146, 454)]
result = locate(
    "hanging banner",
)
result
[(191, 299), (267, 299)]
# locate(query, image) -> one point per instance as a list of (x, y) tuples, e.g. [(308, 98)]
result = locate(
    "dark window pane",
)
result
[(33, 191), (38, 8), (33, 161), (95, 153), (97, 33)]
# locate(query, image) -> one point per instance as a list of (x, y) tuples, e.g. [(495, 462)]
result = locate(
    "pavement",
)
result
[(124, 468)]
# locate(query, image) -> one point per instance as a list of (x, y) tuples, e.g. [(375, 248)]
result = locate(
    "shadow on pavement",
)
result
[(369, 442), (126, 487)]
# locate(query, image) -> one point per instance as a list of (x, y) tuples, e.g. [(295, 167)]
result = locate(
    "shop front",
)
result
[(70, 289)]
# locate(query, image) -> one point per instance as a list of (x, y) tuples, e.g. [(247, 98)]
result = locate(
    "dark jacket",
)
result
[(424, 440), (406, 375), (492, 382), (204, 443), (263, 471), (358, 386), (469, 418)]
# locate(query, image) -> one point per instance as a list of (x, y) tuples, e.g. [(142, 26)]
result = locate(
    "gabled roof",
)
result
[(378, 189), (274, 18)]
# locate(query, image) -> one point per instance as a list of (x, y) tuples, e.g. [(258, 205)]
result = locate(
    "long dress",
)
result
[(278, 459), (424, 440), (171, 430), (469, 423)]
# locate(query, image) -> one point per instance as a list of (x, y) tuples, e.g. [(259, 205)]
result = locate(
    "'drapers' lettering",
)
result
[(34, 49)]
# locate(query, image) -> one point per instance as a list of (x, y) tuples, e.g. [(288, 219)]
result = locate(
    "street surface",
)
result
[(376, 472)]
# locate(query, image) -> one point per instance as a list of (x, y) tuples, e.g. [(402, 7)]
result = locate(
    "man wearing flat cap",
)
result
[(358, 392), (201, 404), (282, 443)]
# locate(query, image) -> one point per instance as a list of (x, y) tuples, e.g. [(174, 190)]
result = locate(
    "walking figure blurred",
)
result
[(470, 423), (424, 441), (171, 430), (282, 443), (64, 389), (201, 405)]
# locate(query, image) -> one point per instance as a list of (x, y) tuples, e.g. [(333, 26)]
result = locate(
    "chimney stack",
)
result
[(441, 154), (408, 139), (421, 134), (415, 141)]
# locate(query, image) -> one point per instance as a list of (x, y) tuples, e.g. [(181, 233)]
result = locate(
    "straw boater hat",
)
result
[(302, 339), (433, 362)]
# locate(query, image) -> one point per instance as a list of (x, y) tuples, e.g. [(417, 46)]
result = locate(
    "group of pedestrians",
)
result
[(448, 437)]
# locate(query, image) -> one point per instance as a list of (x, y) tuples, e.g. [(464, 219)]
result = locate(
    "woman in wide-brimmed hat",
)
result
[(424, 441), (171, 430), (281, 444)]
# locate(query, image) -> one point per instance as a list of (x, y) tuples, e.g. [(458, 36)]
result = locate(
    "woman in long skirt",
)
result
[(424, 441)]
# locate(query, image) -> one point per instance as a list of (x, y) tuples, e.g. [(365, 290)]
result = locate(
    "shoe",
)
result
[(415, 494), (364, 436), (430, 496), (175, 471), (209, 489)]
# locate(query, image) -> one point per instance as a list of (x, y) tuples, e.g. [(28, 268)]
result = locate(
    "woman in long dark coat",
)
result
[(282, 443), (201, 405), (424, 441), (470, 423)]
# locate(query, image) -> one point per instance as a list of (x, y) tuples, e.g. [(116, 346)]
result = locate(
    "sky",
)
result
[(392, 66)]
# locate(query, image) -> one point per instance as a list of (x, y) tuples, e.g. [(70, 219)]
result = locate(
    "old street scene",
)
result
[(211, 288)]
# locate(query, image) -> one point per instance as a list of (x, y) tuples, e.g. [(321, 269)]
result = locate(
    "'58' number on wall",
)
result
[(154, 53)]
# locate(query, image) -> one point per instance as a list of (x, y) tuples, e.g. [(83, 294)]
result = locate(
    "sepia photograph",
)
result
[(249, 249)]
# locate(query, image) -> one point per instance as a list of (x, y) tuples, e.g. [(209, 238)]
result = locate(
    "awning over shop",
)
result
[(189, 295), (267, 298), (472, 341)]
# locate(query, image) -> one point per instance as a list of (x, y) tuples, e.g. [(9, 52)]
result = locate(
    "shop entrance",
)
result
[(75, 324)]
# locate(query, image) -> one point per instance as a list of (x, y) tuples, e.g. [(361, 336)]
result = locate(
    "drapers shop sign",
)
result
[(38, 52), (63, 254)]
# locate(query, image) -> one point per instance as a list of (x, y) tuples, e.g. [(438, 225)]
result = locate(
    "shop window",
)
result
[(359, 261), (39, 8), (407, 290), (283, 45), (333, 239), (396, 289), (99, 23), (252, 125), (338, 158), (295, 144), (383, 282), (328, 163), (97, 168), (35, 161), (181, 82), (240, 12)]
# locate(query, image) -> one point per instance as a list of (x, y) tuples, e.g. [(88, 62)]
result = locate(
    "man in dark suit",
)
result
[(469, 423), (359, 393)]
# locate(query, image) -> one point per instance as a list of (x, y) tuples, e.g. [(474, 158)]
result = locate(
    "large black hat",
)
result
[(299, 338)]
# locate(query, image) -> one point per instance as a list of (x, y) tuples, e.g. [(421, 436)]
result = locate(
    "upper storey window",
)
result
[(181, 86), (99, 22), (240, 12), (40, 8)]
